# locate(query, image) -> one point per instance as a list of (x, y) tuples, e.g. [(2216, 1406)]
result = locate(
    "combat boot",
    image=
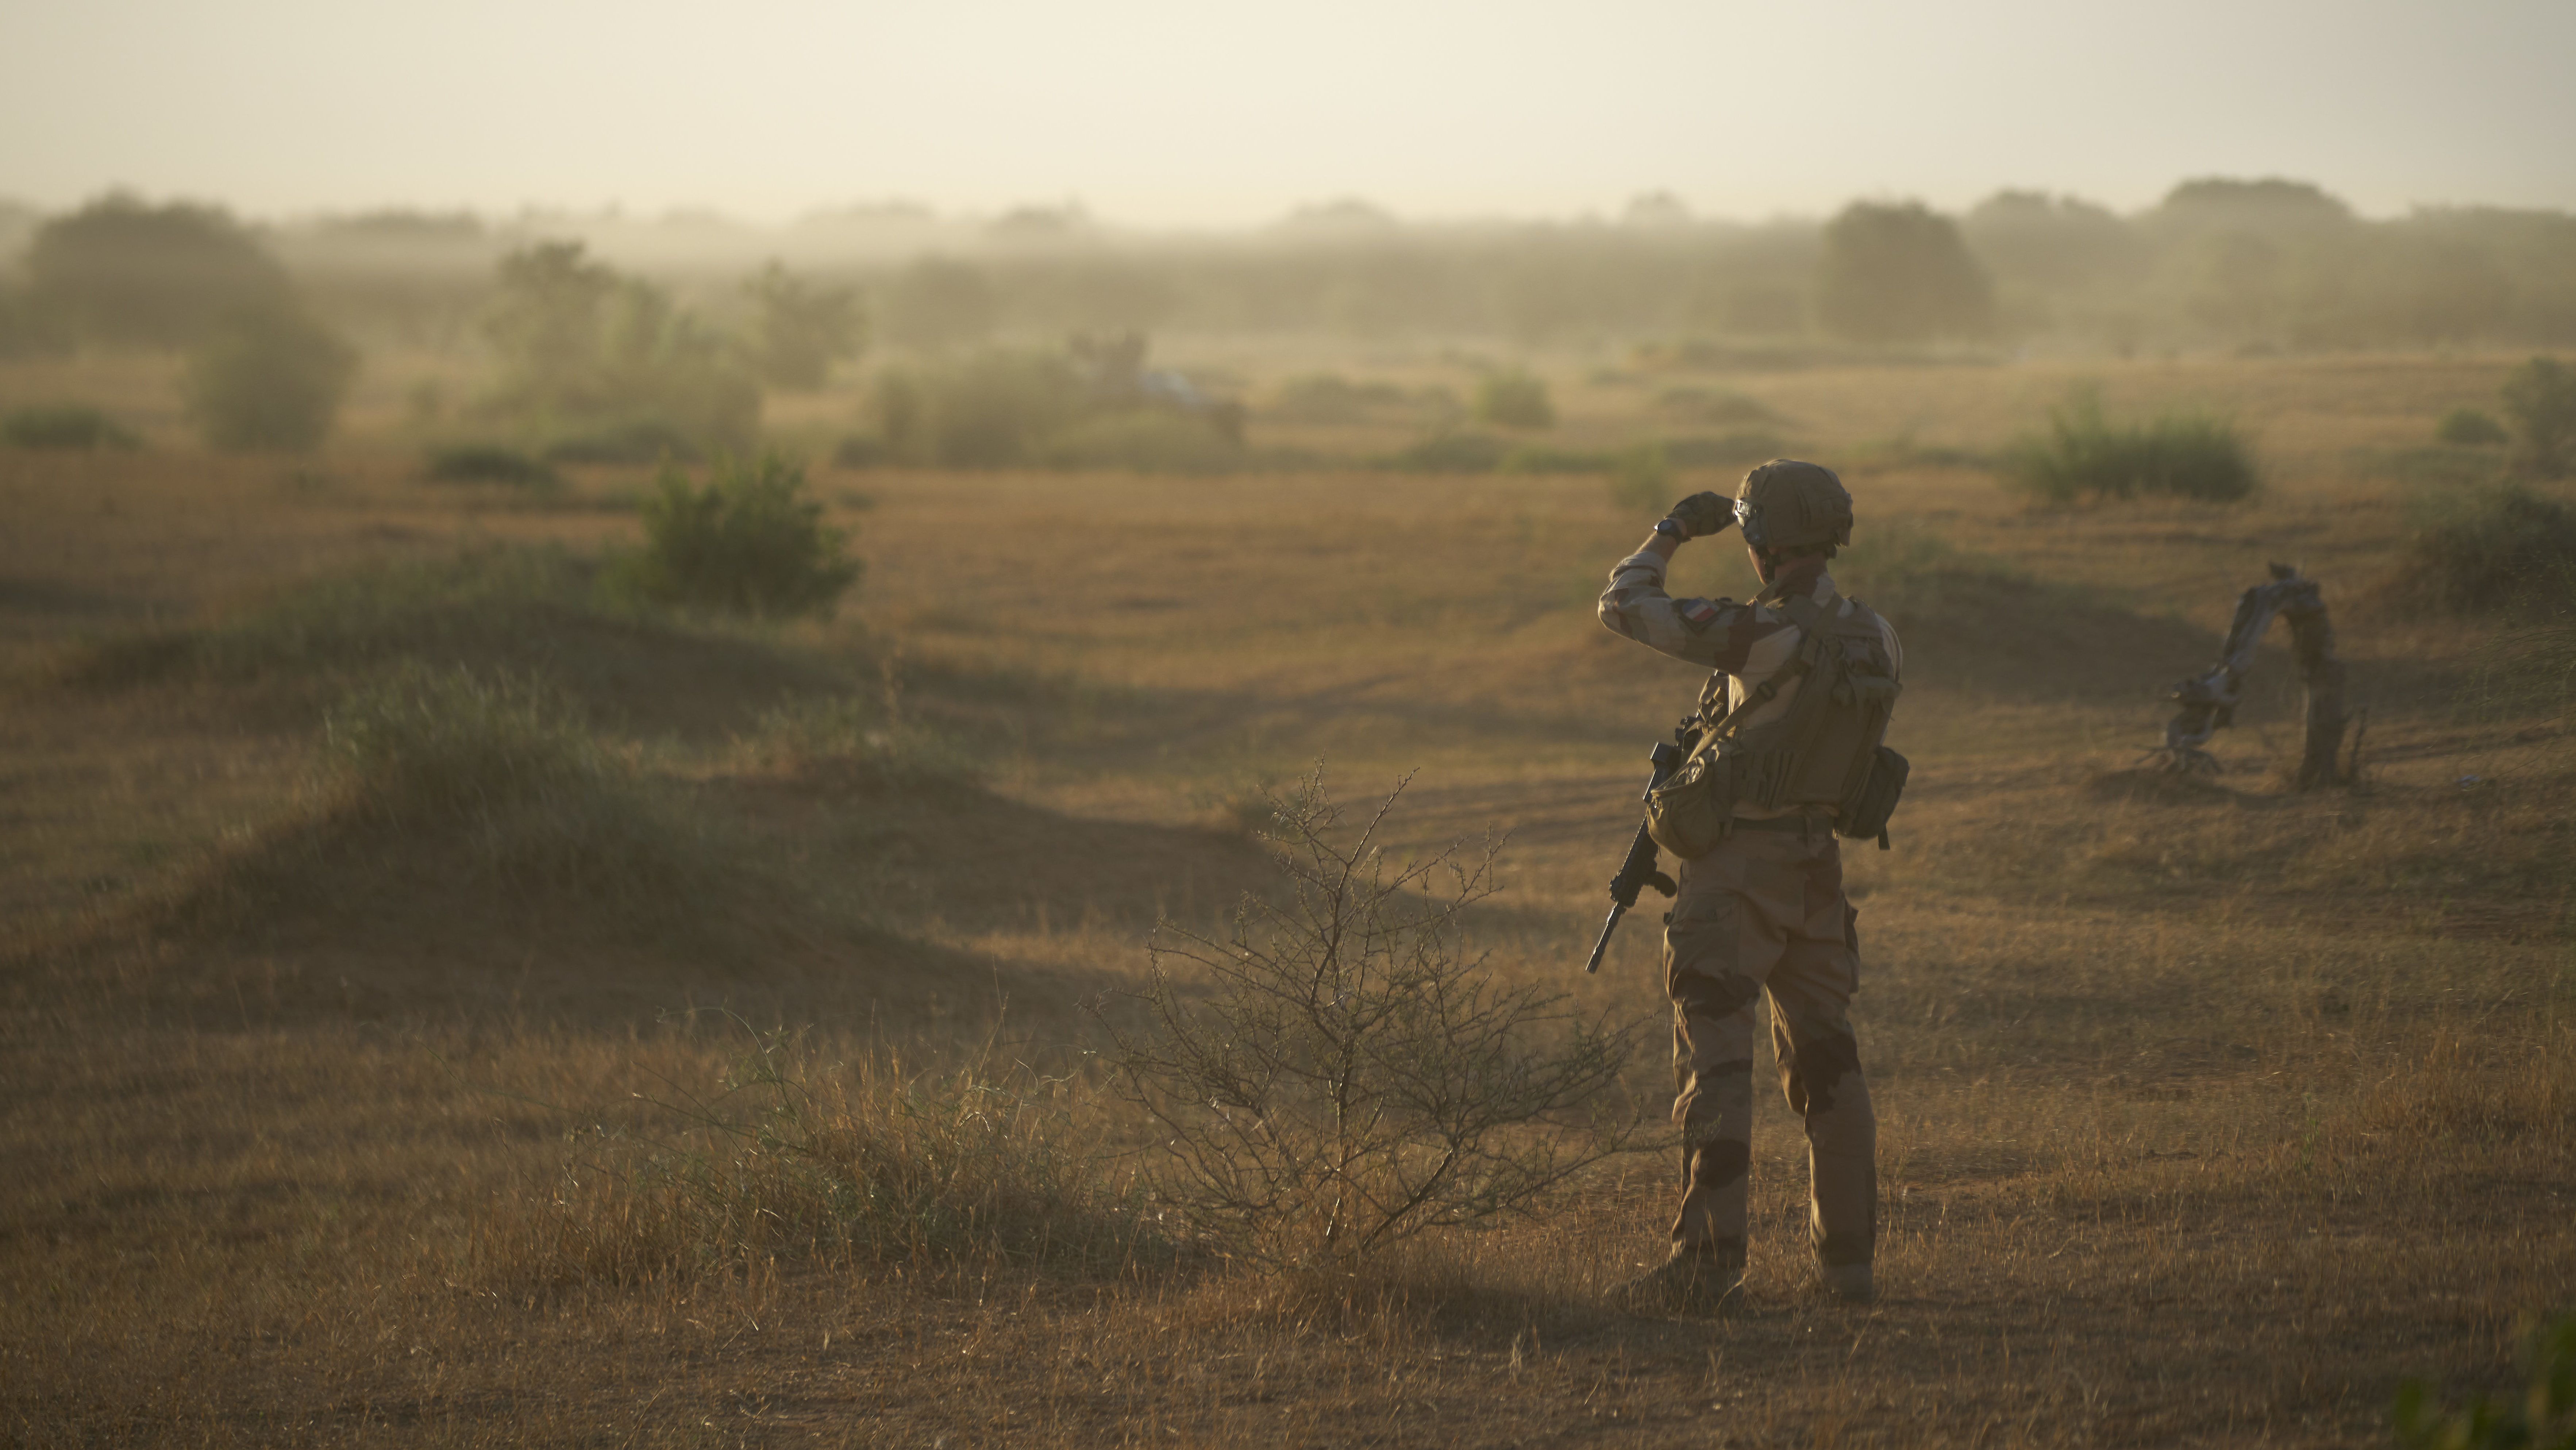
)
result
[(1851, 1283), (1689, 1282)]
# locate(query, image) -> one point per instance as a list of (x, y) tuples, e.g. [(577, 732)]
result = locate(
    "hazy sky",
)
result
[(1155, 111)]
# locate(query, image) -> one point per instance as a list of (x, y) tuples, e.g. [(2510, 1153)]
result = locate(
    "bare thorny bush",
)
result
[(1339, 1073)]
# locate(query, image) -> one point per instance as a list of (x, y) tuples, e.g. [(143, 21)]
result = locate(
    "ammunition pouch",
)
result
[(1691, 813), (1864, 812)]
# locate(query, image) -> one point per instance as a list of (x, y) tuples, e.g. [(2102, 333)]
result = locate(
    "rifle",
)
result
[(1638, 871)]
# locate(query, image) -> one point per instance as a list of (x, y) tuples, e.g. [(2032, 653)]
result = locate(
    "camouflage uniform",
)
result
[(1764, 913)]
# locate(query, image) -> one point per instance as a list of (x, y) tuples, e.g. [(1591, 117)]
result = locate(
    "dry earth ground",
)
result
[(2208, 1112)]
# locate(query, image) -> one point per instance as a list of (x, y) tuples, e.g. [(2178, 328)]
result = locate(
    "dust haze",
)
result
[(647, 800)]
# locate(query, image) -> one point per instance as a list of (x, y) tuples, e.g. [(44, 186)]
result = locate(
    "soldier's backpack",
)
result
[(1825, 749)]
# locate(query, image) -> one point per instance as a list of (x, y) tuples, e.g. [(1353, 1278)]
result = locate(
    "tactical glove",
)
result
[(1703, 514)]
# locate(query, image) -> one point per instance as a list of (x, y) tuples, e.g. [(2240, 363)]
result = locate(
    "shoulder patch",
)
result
[(1698, 614)]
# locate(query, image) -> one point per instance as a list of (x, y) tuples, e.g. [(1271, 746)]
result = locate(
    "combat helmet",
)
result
[(1786, 504)]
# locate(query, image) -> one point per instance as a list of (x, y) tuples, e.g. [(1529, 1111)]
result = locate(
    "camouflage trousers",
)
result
[(1764, 915)]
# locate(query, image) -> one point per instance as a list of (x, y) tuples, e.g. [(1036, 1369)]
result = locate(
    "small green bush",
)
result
[(2178, 455), (750, 542), (63, 425), (270, 378), (1514, 398), (2469, 428), (2541, 1417), (2540, 398), (2494, 549), (489, 463)]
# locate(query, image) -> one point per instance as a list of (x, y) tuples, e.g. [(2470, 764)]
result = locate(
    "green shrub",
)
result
[(2540, 398), (2178, 455), (1514, 398), (2542, 1416), (63, 425), (2469, 428), (489, 463), (270, 378), (2494, 549), (1149, 440), (749, 542)]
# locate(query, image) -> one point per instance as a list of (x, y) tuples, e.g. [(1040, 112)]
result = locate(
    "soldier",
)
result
[(1761, 909)]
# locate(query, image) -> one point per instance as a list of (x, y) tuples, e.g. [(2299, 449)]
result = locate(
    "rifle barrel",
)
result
[(1603, 944)]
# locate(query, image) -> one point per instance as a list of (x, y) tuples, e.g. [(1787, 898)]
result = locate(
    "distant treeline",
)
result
[(2217, 263)]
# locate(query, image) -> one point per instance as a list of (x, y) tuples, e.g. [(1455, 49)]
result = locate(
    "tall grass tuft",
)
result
[(494, 603), (848, 1165), (507, 768), (2177, 455), (851, 740)]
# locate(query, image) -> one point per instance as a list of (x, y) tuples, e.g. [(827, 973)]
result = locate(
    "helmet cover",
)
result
[(1786, 504)]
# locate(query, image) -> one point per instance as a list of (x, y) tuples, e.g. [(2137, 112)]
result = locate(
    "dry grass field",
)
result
[(2209, 1112)]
